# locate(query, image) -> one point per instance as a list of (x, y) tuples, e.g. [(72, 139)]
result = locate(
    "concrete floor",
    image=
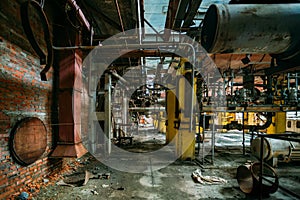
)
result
[(173, 181)]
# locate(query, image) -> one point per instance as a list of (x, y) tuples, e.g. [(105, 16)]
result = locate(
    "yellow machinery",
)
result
[(179, 115), (159, 122), (278, 123)]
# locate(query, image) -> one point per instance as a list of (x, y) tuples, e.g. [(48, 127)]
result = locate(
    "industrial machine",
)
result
[(256, 57)]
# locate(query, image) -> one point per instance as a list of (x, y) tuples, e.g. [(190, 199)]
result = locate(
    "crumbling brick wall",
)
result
[(22, 94)]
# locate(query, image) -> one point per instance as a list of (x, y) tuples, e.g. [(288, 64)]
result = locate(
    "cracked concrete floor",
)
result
[(172, 182)]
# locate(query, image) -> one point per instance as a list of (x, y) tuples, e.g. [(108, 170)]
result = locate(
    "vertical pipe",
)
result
[(296, 81), (203, 138), (192, 100), (288, 81), (243, 119), (107, 123), (207, 83), (213, 140), (124, 112), (139, 20), (261, 166)]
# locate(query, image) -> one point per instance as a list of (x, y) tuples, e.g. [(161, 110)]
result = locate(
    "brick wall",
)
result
[(22, 94)]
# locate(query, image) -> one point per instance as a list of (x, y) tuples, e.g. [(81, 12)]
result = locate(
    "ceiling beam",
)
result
[(180, 14), (172, 10), (191, 13)]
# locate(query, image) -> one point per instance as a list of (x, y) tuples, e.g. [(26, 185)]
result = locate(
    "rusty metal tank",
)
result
[(252, 28)]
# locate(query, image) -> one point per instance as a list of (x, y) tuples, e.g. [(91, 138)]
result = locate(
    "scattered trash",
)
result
[(77, 179), (94, 192), (88, 175), (199, 178), (45, 180), (120, 188), (62, 183), (105, 185), (106, 176), (23, 196), (32, 190)]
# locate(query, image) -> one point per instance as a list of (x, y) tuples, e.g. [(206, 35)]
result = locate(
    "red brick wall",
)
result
[(22, 94)]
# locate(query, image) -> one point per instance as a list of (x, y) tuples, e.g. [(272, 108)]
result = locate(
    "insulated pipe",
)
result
[(252, 28)]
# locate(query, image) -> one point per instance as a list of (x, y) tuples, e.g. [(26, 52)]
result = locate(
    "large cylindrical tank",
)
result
[(274, 148), (252, 28)]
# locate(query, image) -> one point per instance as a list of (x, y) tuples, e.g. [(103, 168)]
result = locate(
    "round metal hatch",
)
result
[(28, 140)]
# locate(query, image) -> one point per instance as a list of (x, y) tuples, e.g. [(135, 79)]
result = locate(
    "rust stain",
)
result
[(250, 11)]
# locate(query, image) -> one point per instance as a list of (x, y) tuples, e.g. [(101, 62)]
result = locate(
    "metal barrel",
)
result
[(270, 182), (248, 178), (244, 178), (252, 28)]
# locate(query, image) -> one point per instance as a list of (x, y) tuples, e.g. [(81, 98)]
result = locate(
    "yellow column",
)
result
[(251, 118), (186, 139), (161, 123), (171, 109), (278, 123)]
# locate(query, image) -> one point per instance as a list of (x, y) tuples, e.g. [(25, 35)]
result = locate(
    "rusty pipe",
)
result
[(252, 28), (82, 17)]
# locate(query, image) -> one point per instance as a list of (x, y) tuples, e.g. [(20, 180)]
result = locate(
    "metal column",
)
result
[(107, 113)]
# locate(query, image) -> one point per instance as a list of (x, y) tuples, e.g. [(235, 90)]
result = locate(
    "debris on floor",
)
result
[(62, 183), (105, 185), (80, 179), (199, 178), (95, 192), (23, 196)]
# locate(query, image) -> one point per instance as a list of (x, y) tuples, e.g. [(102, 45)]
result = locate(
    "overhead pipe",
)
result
[(152, 45), (124, 81), (82, 17), (252, 28)]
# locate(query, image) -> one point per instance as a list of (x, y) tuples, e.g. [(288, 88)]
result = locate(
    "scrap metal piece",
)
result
[(62, 183), (248, 176)]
